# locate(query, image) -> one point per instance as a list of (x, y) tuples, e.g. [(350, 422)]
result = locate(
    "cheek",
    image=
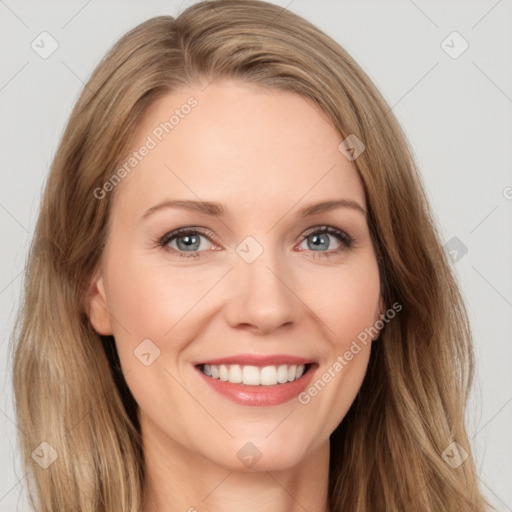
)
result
[(150, 298), (156, 303), (150, 301), (346, 300), (350, 310)]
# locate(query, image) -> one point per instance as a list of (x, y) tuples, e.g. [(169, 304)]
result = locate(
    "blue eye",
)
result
[(320, 239), (188, 241)]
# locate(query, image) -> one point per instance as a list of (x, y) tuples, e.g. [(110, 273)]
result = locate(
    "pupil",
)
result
[(318, 238), (189, 241)]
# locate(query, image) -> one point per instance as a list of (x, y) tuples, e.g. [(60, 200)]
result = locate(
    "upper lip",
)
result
[(260, 360)]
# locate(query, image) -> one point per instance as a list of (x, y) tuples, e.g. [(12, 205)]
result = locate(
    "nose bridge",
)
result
[(262, 297)]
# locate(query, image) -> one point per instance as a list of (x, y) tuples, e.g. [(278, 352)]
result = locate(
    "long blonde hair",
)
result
[(70, 392)]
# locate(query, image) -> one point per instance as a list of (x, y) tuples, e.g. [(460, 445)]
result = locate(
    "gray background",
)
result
[(456, 113)]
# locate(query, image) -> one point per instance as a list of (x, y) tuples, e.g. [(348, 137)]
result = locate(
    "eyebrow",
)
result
[(217, 209)]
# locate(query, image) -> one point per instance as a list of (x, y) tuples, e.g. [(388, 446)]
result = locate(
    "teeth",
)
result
[(253, 375), (223, 372), (282, 374), (268, 374), (235, 373), (292, 373)]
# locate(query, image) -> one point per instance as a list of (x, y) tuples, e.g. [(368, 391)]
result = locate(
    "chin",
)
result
[(260, 454)]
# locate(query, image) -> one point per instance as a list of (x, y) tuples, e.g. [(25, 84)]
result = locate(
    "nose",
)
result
[(260, 296)]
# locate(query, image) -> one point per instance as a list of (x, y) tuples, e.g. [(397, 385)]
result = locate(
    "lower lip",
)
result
[(260, 395)]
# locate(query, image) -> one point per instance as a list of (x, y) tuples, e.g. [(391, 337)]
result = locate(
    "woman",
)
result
[(185, 342)]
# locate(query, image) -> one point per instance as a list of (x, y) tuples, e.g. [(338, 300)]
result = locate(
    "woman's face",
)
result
[(253, 275)]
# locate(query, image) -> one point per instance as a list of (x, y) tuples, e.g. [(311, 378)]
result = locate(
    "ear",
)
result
[(97, 308), (380, 311), (382, 306)]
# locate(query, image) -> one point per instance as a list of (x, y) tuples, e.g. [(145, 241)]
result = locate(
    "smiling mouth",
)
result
[(250, 375)]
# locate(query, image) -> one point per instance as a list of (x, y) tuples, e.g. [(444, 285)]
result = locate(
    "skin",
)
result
[(264, 154)]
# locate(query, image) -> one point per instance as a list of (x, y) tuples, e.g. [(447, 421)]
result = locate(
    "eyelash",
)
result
[(346, 240)]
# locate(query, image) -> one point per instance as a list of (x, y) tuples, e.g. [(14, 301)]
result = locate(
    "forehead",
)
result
[(234, 142)]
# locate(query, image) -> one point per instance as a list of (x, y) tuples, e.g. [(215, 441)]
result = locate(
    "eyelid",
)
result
[(343, 237), (188, 229), (326, 228)]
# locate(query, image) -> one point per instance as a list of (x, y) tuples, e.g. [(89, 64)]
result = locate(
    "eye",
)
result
[(319, 238), (188, 241)]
